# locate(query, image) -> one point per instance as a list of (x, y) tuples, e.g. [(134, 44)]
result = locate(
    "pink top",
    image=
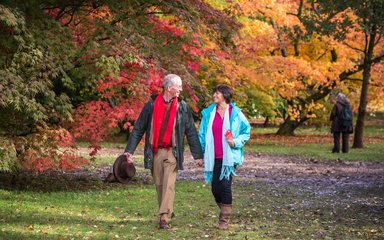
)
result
[(217, 130)]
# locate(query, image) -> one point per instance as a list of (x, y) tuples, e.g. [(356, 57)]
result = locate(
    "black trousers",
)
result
[(221, 190), (344, 142)]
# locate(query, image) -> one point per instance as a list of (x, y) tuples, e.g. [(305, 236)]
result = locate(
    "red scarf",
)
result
[(158, 115)]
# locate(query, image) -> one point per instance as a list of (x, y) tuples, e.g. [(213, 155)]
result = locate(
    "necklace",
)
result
[(221, 108)]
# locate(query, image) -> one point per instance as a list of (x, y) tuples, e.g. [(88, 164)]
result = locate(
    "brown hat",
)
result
[(122, 170)]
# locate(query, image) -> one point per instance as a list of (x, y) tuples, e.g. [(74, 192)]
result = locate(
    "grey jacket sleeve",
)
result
[(139, 129), (193, 139)]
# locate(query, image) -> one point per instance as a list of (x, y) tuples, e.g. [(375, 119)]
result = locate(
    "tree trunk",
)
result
[(287, 128), (359, 129), (266, 122)]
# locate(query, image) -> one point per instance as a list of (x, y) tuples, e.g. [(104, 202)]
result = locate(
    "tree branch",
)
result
[(322, 55), (354, 48), (378, 39), (344, 75), (354, 79), (360, 80)]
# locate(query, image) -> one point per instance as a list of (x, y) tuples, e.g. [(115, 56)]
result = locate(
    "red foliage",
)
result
[(42, 164), (163, 26), (50, 149), (69, 161), (121, 101), (122, 98)]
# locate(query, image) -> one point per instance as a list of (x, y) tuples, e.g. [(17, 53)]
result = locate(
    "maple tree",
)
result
[(89, 66), (101, 59), (31, 71), (362, 30)]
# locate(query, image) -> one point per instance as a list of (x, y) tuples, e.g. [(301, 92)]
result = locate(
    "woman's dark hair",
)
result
[(226, 91)]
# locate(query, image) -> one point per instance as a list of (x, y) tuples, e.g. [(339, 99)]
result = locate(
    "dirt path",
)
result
[(307, 173), (283, 170)]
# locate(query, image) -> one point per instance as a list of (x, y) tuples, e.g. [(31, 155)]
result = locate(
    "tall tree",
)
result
[(363, 30), (305, 57), (101, 59)]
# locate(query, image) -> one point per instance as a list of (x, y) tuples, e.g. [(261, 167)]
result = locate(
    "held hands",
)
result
[(199, 162), (129, 157)]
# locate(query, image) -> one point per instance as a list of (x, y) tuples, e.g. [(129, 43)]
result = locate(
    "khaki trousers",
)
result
[(164, 175)]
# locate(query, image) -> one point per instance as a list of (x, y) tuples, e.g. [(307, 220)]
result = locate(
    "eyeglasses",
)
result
[(177, 87)]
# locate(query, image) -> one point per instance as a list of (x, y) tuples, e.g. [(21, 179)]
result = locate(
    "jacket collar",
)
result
[(153, 97), (235, 110)]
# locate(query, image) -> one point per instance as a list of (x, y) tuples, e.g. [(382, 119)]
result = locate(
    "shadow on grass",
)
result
[(56, 182)]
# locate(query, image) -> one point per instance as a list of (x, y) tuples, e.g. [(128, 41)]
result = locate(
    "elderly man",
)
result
[(165, 119)]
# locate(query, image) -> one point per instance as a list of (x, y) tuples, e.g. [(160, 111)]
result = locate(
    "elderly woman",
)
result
[(341, 117), (223, 132)]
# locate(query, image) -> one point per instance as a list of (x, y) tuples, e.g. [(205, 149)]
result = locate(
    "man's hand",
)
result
[(199, 162), (129, 157)]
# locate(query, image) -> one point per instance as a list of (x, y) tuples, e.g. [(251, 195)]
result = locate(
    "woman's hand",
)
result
[(199, 162), (231, 142)]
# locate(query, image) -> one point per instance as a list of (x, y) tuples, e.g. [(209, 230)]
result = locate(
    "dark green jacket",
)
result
[(184, 126)]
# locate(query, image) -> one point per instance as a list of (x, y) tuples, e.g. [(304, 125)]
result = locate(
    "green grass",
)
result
[(369, 131), (261, 211), (372, 152), (82, 208)]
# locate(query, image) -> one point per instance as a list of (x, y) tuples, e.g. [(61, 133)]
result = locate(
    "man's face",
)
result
[(175, 89)]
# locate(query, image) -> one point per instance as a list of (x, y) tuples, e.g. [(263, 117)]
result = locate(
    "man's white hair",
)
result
[(170, 79)]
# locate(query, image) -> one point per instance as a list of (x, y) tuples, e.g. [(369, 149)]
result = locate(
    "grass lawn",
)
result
[(369, 131), (372, 152), (317, 143), (261, 211), (81, 208)]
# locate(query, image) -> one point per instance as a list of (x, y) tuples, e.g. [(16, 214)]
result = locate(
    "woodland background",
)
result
[(74, 75), (80, 71)]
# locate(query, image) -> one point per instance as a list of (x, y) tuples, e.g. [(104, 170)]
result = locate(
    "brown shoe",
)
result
[(225, 214), (164, 225)]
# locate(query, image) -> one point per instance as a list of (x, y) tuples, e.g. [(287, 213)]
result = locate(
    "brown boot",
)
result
[(225, 214)]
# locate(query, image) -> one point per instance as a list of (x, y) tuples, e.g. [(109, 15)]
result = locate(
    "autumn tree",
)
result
[(362, 31), (33, 75), (281, 44), (91, 65)]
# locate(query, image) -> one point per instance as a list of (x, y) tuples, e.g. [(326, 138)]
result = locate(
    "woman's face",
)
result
[(218, 97)]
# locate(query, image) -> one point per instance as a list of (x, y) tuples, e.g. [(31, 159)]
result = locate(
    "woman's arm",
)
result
[(245, 132), (203, 132)]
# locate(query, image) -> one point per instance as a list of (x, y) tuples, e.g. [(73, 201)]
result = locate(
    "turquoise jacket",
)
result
[(239, 126)]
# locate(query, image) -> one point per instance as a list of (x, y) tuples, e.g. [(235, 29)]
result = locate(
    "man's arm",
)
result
[(193, 140), (139, 129)]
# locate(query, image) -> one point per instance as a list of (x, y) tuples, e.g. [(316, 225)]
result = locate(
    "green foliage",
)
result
[(33, 72), (370, 13), (7, 155), (259, 103)]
